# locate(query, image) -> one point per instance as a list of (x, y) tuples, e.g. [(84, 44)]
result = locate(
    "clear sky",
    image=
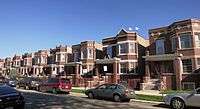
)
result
[(30, 25)]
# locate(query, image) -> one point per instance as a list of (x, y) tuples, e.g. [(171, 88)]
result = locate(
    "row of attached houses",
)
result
[(170, 59)]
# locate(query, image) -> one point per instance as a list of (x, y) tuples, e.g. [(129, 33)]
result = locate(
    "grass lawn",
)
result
[(138, 96), (149, 97), (78, 91), (174, 91)]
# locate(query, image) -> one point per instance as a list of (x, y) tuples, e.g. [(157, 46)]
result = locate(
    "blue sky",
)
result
[(30, 25)]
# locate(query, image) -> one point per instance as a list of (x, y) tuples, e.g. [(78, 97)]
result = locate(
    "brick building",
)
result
[(16, 63), (26, 64), (173, 57), (57, 59), (81, 68), (40, 62), (122, 60)]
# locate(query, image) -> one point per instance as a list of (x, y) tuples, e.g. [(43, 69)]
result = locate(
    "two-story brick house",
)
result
[(81, 68), (16, 63), (57, 59), (122, 61), (26, 64), (2, 68), (40, 62), (173, 56)]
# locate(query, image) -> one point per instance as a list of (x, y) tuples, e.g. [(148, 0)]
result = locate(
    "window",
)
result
[(63, 57), (132, 67), (188, 85), (58, 58), (111, 87), (123, 68), (173, 43), (123, 48), (109, 51), (187, 66), (90, 53), (197, 38), (132, 48), (76, 56), (185, 41), (160, 48), (102, 87), (84, 54)]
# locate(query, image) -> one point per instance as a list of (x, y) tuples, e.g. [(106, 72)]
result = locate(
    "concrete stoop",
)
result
[(152, 84)]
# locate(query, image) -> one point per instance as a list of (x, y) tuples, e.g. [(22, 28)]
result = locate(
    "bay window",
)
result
[(123, 48), (197, 39), (173, 43), (185, 40), (132, 48), (187, 66), (109, 51), (123, 68), (160, 48)]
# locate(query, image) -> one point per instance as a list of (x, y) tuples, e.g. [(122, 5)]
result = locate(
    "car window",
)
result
[(65, 80), (121, 87), (111, 86), (53, 80), (102, 87)]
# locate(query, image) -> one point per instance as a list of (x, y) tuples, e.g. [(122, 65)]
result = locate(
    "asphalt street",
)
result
[(37, 100)]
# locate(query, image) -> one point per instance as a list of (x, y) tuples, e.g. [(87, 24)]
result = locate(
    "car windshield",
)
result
[(65, 80)]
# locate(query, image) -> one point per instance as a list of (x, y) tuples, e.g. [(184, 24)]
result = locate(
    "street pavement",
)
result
[(38, 100)]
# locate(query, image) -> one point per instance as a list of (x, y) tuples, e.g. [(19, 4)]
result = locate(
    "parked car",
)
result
[(29, 83), (181, 100), (55, 85), (9, 97), (116, 92)]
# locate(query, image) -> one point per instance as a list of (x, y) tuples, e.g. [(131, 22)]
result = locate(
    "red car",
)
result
[(56, 85)]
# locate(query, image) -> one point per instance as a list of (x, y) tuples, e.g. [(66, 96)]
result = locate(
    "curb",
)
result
[(144, 101)]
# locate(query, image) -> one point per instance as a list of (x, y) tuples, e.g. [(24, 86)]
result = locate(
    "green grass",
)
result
[(174, 91), (149, 97), (138, 96), (78, 91)]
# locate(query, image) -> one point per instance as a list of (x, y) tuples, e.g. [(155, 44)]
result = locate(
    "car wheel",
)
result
[(177, 103), (90, 95), (116, 98)]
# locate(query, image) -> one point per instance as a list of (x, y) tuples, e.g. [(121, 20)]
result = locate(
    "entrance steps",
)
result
[(152, 84)]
